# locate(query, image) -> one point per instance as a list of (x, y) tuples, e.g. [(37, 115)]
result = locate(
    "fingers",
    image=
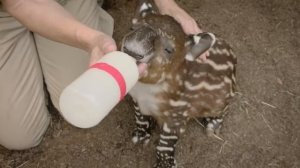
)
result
[(204, 56), (109, 45), (103, 45), (142, 69)]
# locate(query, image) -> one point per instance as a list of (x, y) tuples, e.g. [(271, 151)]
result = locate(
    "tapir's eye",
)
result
[(169, 50)]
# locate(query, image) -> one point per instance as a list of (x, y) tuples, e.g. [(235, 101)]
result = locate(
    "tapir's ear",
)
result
[(198, 44), (143, 8)]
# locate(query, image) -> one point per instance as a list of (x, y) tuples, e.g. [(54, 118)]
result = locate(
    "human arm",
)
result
[(49, 19), (188, 24), (170, 7)]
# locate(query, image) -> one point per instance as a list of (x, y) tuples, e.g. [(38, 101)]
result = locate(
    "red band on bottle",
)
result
[(115, 74)]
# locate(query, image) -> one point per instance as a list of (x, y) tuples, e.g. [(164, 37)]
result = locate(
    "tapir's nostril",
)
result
[(124, 49)]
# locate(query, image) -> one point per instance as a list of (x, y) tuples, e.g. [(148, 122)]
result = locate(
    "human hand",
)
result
[(188, 23), (102, 44), (142, 67)]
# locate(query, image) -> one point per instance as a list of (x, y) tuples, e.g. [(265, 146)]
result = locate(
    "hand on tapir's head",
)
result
[(188, 23)]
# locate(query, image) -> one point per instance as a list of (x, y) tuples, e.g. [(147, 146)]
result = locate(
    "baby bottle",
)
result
[(88, 99)]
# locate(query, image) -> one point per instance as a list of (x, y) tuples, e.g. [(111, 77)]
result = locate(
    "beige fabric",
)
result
[(62, 64), (23, 114)]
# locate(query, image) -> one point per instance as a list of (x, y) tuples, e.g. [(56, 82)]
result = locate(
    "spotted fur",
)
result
[(176, 87)]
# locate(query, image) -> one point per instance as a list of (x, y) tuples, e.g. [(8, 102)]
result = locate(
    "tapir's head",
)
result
[(159, 41)]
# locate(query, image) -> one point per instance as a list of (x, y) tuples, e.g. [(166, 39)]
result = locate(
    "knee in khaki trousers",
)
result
[(26, 58)]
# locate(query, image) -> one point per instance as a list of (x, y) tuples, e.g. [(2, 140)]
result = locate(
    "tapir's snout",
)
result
[(139, 43)]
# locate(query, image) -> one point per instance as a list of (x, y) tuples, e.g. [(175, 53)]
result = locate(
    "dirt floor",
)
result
[(261, 130)]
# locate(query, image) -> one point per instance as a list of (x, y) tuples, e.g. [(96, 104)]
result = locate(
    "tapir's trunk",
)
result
[(139, 43)]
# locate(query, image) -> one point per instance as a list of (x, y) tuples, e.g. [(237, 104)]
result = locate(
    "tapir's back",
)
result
[(210, 84), (193, 87)]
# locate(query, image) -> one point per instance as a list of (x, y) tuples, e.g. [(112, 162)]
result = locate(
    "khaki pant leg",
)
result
[(23, 114), (62, 64)]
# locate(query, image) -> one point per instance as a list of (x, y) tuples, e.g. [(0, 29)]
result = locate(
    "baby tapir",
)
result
[(177, 85)]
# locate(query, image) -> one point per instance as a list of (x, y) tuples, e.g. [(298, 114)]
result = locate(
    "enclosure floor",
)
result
[(261, 130)]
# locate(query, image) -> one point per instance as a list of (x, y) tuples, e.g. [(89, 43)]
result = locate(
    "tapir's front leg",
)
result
[(170, 131), (144, 125), (165, 150)]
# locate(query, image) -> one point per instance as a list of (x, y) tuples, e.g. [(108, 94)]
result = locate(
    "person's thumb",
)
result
[(142, 68), (109, 45), (105, 45)]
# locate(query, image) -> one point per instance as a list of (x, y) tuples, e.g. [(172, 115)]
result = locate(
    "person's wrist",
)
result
[(86, 38), (166, 7), (102, 41), (100, 44)]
